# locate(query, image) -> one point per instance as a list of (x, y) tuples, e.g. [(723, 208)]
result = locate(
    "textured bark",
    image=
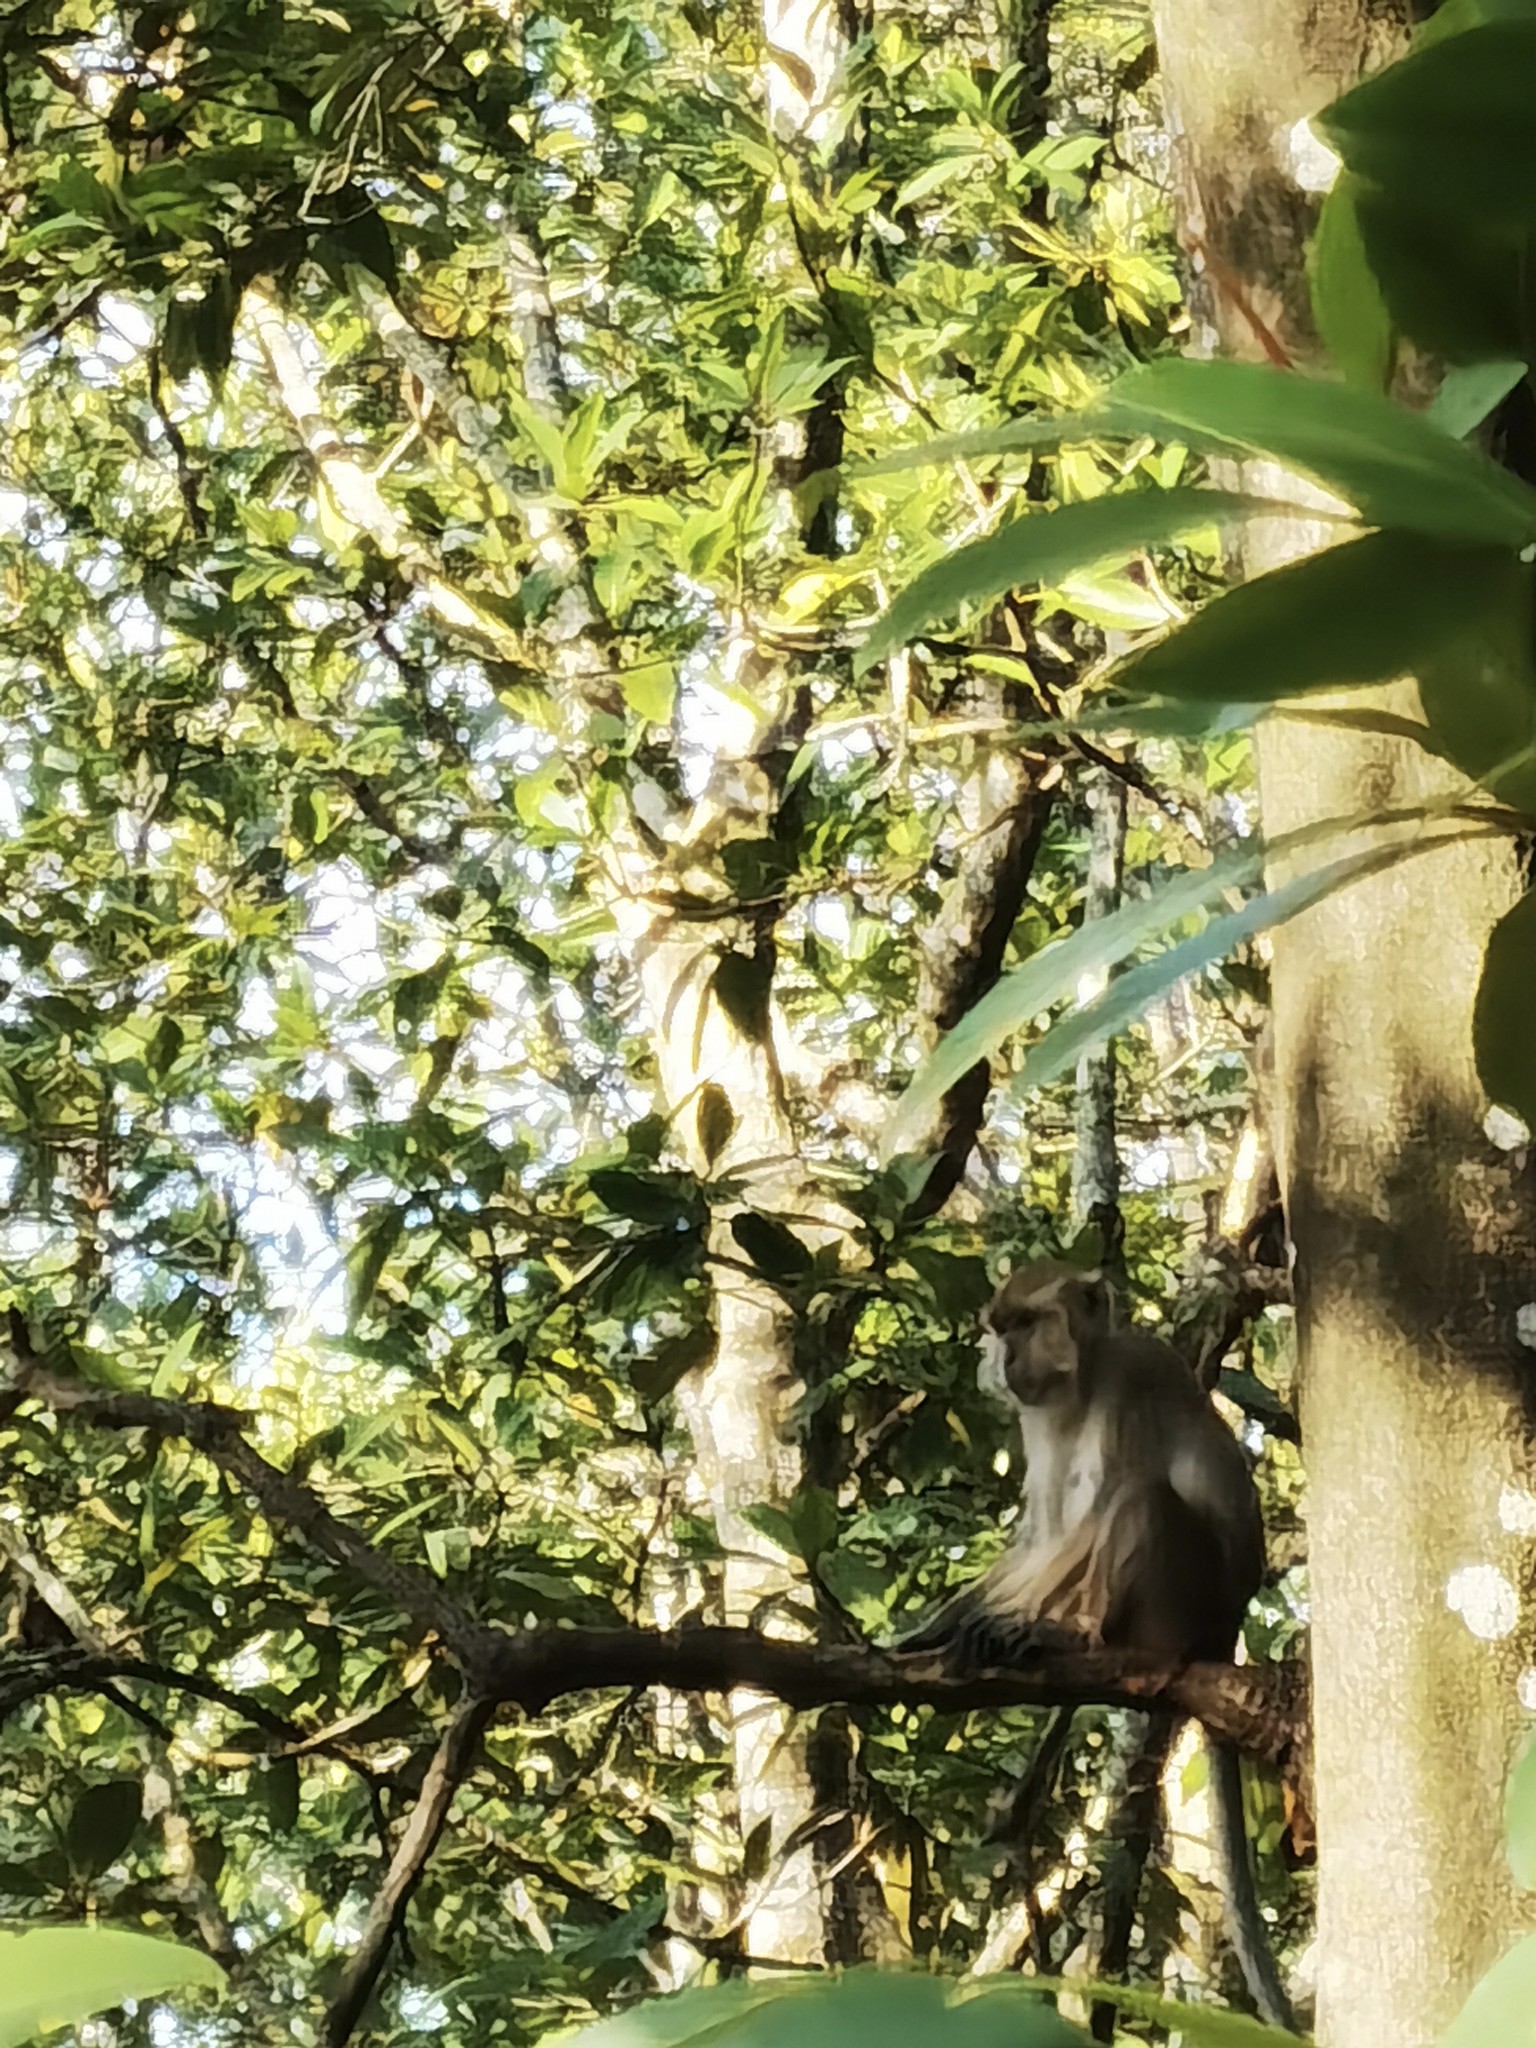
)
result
[(1415, 1239)]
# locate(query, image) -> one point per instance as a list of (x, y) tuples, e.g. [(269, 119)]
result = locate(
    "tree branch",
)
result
[(448, 1769), (1258, 1708)]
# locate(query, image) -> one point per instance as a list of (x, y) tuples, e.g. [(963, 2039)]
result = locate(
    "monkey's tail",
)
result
[(1245, 1925)]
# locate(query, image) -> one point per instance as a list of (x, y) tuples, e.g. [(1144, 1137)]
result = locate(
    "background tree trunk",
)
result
[(1414, 1236)]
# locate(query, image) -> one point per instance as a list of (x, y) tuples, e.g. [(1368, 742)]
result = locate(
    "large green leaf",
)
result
[(1478, 688), (1501, 2012), (1504, 1017), (1131, 994), (1366, 612), (1055, 971), (55, 1976), (1090, 951), (1454, 121), (1041, 547), (1203, 2026), (1453, 284), (863, 2008), (1455, 17), (1395, 467)]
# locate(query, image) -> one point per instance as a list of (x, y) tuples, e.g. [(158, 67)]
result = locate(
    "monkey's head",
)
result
[(1039, 1328)]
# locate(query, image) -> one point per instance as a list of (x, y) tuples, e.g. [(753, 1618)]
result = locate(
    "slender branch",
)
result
[(448, 1769)]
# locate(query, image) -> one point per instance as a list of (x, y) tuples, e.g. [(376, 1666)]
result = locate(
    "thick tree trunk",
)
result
[(1415, 1238)]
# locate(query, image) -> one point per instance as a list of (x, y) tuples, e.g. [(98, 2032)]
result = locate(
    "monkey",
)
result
[(1141, 1527)]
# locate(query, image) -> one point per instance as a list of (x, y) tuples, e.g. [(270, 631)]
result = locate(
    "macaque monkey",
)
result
[(1141, 1528)]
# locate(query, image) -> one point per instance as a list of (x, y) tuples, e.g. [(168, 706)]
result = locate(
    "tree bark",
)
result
[(1414, 1236)]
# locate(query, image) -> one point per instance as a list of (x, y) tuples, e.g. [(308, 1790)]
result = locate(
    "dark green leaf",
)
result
[(655, 1376), (1041, 547), (370, 1251), (1455, 121), (102, 1824), (1504, 1017), (652, 1198), (1478, 689), (1367, 612), (741, 984), (757, 1851), (716, 1120), (958, 1283), (280, 1784), (771, 1246), (1453, 285)]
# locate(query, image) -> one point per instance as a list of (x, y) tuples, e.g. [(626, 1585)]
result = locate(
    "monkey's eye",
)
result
[(1025, 1318)]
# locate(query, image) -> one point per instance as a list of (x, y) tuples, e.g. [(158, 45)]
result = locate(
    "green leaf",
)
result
[(1367, 612), (757, 1851), (1132, 993), (659, 1199), (1455, 17), (280, 1785), (1395, 467), (655, 1376), (1347, 303), (55, 1976), (1504, 1016), (772, 1246), (1520, 1817), (715, 1120), (102, 1823), (1501, 2011), (862, 2008), (1454, 120), (1202, 2026), (1468, 394), (369, 1253), (1043, 547), (1478, 689), (1055, 971), (1093, 949), (650, 690), (1453, 283), (773, 1523)]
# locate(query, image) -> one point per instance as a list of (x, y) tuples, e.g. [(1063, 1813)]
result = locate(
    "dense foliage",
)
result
[(418, 511)]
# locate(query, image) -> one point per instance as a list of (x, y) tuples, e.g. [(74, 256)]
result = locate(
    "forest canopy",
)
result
[(628, 774)]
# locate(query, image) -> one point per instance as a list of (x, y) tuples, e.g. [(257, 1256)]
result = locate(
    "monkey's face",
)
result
[(1037, 1331)]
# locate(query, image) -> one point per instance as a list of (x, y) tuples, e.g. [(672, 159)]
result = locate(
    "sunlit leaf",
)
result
[(57, 1976), (1043, 547)]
